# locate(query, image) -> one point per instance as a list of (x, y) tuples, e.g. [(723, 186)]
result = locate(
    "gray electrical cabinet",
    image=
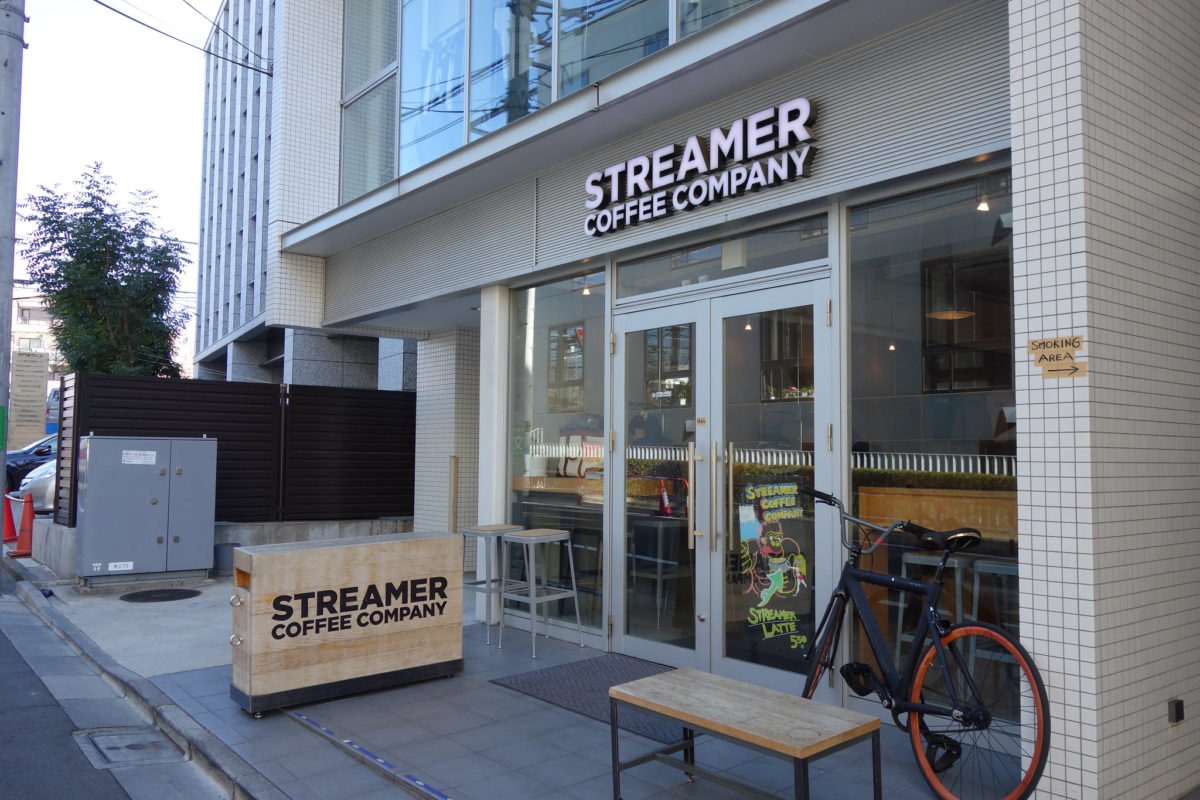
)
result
[(144, 505)]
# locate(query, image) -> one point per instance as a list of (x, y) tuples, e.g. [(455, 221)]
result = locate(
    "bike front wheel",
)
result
[(997, 751)]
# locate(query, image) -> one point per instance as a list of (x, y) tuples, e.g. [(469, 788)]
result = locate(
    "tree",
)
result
[(107, 275)]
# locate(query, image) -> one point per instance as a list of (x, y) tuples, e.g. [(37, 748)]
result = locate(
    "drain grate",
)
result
[(159, 595), (126, 747)]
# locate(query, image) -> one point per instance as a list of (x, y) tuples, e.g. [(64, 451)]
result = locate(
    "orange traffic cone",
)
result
[(24, 548), (10, 530)]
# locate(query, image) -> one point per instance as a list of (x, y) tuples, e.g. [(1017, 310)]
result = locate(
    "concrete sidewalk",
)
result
[(462, 737)]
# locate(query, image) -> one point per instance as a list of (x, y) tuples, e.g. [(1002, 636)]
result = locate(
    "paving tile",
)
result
[(565, 770), (473, 768), (354, 781), (486, 735), (522, 752), (271, 748), (392, 738), (507, 786), (315, 762), (580, 733), (182, 781), (78, 687), (632, 788), (452, 719), (102, 713), (59, 665), (433, 751)]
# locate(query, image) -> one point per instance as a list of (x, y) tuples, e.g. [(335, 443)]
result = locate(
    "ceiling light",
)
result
[(983, 205)]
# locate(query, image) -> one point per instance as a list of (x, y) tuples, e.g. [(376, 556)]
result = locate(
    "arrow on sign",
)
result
[(1078, 369)]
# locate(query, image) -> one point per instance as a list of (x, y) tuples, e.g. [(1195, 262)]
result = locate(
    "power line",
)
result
[(266, 72), (233, 38)]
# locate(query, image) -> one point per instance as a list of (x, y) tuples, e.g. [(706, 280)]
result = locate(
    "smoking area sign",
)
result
[(1057, 356)]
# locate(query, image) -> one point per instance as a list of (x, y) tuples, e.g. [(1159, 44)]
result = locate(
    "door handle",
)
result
[(713, 512), (691, 497)]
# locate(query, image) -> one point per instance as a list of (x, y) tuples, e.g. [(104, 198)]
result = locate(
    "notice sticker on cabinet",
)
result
[(139, 457), (120, 566)]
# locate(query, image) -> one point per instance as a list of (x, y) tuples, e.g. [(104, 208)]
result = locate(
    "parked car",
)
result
[(41, 482), (20, 462)]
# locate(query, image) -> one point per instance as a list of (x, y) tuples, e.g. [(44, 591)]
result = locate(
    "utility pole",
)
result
[(12, 53)]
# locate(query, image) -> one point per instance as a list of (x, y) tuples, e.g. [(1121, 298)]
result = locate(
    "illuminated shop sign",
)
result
[(766, 148)]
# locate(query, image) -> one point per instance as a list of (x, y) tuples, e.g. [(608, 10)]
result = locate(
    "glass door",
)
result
[(661, 380), (771, 436), (725, 406)]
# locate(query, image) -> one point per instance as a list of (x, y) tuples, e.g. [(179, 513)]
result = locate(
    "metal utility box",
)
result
[(144, 505)]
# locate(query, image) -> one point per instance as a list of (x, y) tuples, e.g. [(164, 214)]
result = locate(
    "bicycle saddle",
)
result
[(955, 541)]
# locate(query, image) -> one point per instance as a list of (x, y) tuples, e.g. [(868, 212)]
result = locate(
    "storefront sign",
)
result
[(766, 148), (1057, 358)]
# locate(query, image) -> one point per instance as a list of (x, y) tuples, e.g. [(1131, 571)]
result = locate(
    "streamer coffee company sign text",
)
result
[(767, 148)]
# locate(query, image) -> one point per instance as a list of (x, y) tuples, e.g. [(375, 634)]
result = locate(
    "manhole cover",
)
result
[(159, 595), (125, 747)]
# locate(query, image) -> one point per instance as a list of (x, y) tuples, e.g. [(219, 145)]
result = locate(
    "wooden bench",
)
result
[(765, 719)]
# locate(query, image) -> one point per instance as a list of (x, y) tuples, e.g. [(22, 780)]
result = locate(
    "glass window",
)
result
[(599, 37), (564, 369), (557, 436), (510, 61), (780, 246), (933, 408), (432, 80), (696, 15), (369, 141), (369, 41)]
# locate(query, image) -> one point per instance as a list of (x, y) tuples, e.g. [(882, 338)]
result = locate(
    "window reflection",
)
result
[(511, 54), (696, 15), (369, 141), (557, 436), (933, 429), (433, 63), (780, 246), (599, 37)]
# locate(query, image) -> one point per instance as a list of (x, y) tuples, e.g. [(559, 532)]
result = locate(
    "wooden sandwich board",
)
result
[(315, 620)]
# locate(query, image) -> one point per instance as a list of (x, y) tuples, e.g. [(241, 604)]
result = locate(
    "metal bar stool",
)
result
[(488, 536), (537, 592)]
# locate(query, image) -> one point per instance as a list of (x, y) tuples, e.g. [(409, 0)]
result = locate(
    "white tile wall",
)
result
[(1106, 232), (447, 425)]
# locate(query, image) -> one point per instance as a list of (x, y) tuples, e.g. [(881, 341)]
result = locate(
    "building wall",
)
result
[(447, 425), (929, 95), (233, 252), (1107, 227), (306, 133)]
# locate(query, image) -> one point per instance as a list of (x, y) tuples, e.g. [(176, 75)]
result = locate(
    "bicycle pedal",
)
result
[(859, 677)]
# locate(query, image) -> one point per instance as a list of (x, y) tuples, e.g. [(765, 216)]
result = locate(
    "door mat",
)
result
[(582, 687)]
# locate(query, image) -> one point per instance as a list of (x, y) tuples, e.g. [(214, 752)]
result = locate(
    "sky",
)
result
[(99, 87)]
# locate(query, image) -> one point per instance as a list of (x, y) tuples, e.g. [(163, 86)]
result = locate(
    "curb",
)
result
[(239, 778)]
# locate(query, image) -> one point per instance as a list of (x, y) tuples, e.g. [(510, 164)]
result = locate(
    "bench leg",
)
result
[(616, 749), (875, 765), (689, 752), (800, 767)]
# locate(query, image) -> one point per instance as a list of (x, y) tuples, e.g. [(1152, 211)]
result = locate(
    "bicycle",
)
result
[(978, 718)]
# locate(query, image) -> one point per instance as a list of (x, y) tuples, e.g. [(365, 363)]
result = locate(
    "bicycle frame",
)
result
[(896, 683)]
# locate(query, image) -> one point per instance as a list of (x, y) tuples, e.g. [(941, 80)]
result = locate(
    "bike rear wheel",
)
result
[(1000, 750)]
